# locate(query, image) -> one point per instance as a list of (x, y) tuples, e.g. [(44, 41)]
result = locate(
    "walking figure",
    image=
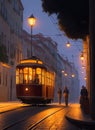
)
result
[(66, 95), (59, 95), (84, 91), (84, 101)]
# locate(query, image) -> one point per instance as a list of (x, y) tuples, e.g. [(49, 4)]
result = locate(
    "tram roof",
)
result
[(33, 61)]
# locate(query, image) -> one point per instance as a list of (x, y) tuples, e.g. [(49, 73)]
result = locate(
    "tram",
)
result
[(34, 82)]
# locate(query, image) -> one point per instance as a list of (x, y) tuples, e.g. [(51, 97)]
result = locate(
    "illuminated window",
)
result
[(21, 78), (34, 72), (30, 75), (43, 76), (40, 78), (17, 80), (17, 71), (25, 70), (26, 78), (48, 79), (17, 76)]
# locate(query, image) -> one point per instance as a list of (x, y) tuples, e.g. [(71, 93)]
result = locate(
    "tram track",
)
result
[(32, 127), (34, 124)]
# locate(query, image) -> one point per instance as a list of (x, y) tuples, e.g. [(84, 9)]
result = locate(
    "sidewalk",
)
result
[(79, 118), (7, 106)]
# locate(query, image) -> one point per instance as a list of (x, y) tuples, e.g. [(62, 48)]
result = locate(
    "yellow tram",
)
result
[(34, 82)]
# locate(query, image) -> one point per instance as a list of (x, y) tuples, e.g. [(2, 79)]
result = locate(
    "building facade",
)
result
[(11, 21), (15, 44)]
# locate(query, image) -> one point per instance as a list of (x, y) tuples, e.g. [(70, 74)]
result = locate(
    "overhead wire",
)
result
[(62, 34)]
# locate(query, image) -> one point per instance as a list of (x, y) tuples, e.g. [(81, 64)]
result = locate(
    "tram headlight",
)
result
[(26, 89)]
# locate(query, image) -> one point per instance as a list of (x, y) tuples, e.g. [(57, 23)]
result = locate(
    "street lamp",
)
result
[(63, 71), (82, 56), (68, 44), (31, 21), (73, 75)]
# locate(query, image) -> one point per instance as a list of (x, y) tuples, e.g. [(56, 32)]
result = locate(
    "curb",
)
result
[(88, 124)]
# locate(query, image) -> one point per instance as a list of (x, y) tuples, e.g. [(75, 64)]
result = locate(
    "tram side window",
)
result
[(34, 72), (17, 76), (53, 80), (30, 75), (38, 72), (43, 76), (48, 79), (21, 76)]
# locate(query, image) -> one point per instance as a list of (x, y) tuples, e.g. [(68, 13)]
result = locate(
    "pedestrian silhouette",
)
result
[(59, 95), (84, 101), (66, 95), (84, 91)]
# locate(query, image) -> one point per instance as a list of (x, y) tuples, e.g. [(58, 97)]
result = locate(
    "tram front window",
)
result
[(36, 79), (25, 78), (30, 75)]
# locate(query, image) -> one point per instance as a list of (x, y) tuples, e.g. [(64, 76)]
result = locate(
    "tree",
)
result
[(72, 15)]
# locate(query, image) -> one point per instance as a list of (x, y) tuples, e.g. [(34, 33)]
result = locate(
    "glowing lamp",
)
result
[(26, 89), (82, 56), (68, 44), (73, 75), (62, 71), (65, 74), (31, 20)]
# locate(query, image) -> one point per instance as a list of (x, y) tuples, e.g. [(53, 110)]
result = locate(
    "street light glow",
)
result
[(31, 20), (85, 78), (82, 56), (65, 74), (68, 44), (73, 75), (63, 71)]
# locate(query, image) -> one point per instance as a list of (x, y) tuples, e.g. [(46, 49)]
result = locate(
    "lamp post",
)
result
[(31, 21)]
